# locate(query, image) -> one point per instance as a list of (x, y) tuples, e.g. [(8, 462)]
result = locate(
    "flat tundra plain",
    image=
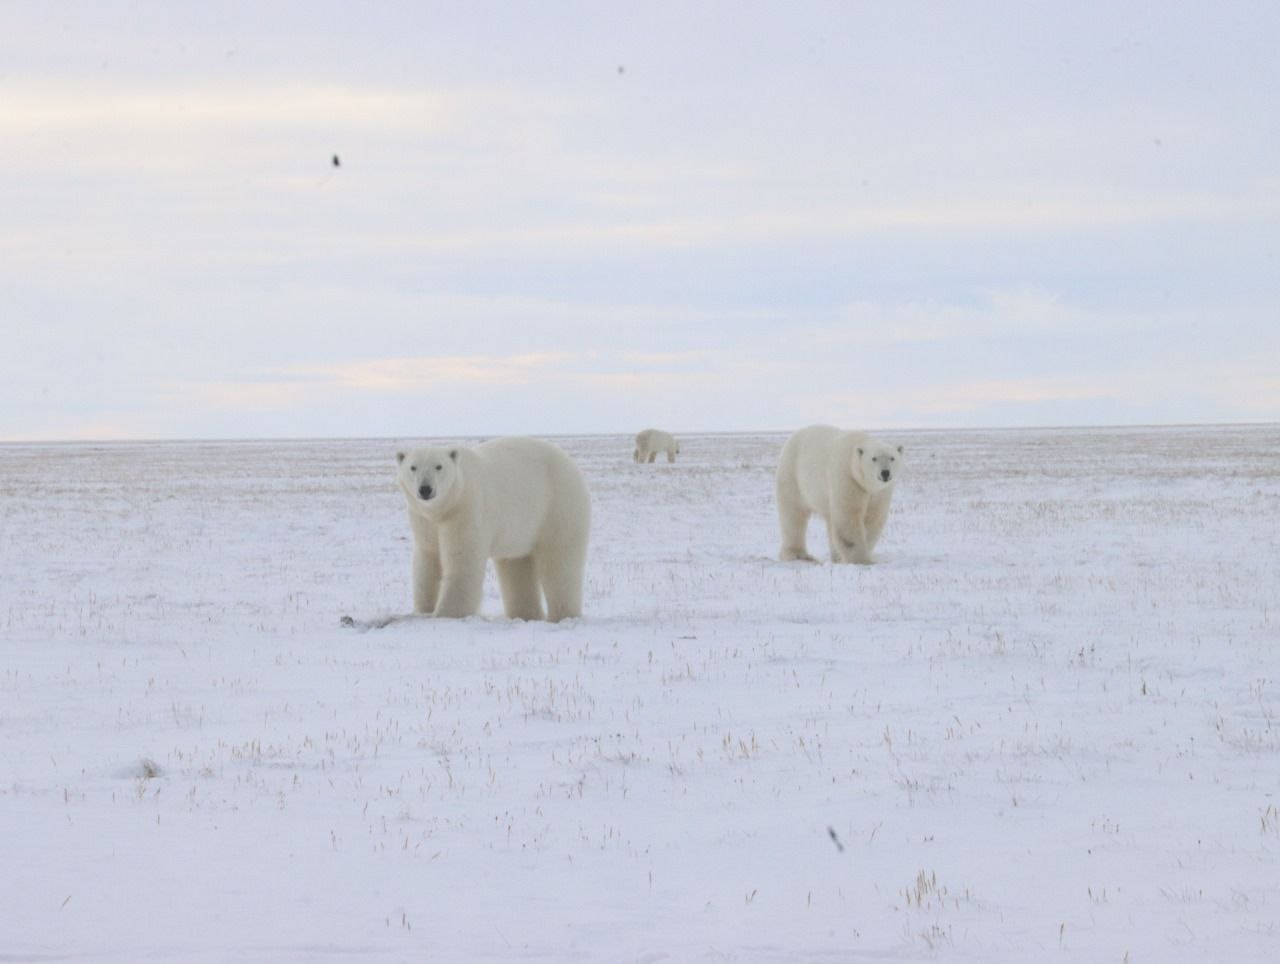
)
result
[(1043, 727)]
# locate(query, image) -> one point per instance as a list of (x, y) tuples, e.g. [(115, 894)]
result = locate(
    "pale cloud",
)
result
[(943, 214), (975, 395), (142, 110), (293, 385), (1022, 310), (677, 359), (635, 384), (1253, 390), (609, 371), (456, 142), (98, 426), (466, 378), (768, 225), (415, 374), (234, 136), (1210, 389), (235, 396), (919, 404)]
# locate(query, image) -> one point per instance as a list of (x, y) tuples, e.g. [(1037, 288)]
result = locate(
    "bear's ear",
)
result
[(454, 455), (899, 449), (399, 457)]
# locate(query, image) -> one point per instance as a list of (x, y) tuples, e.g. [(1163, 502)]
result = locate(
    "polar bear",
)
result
[(845, 478), (652, 441), (518, 501)]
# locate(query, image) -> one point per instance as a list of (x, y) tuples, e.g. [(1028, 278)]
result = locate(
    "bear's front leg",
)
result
[(849, 543), (426, 563), (462, 587), (877, 513), (461, 594), (426, 578)]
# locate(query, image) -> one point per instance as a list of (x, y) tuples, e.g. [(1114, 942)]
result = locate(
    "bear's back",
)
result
[(530, 469)]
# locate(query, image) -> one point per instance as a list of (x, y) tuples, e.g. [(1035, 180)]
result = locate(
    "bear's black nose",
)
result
[(884, 475), (425, 491)]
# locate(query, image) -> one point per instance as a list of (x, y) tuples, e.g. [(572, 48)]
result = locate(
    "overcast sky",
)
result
[(555, 218)]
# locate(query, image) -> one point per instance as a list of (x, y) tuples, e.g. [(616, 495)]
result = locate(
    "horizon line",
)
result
[(195, 440)]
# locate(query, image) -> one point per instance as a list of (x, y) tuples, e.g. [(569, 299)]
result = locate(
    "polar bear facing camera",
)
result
[(652, 441), (845, 478), (518, 501)]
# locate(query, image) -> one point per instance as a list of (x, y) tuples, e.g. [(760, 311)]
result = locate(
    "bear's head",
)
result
[(876, 466), (427, 475)]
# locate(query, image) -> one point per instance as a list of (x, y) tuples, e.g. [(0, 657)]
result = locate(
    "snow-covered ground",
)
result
[(1046, 726)]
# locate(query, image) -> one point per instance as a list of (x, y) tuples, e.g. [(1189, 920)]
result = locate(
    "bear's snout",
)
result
[(884, 475), (425, 491)]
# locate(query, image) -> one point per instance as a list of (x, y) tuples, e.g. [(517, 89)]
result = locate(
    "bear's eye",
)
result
[(413, 468), (439, 468)]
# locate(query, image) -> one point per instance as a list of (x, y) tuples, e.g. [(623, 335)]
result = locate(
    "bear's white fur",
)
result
[(518, 501), (843, 477), (652, 441)]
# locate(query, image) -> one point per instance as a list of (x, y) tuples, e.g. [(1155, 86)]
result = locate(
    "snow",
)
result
[(1042, 727)]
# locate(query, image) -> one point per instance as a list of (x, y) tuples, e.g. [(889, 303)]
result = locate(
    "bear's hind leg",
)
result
[(793, 521), (518, 580), (560, 573), (793, 549)]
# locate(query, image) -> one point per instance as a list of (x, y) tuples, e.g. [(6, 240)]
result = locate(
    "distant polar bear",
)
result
[(652, 441), (518, 501), (843, 477)]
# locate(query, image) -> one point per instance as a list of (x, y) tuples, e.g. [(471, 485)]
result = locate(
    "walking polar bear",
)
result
[(843, 477), (652, 441), (518, 501)]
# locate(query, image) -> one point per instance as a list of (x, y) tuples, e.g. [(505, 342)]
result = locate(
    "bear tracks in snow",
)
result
[(378, 622)]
